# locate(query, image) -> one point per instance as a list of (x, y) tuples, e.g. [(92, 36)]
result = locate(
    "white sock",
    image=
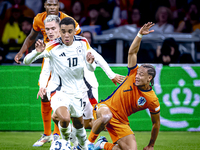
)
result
[(73, 137), (82, 137), (64, 132), (102, 145)]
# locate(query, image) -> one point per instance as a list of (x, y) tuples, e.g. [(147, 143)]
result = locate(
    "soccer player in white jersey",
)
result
[(90, 91), (67, 55)]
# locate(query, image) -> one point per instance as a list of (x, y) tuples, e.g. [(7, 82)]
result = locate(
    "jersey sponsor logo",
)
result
[(62, 54), (141, 101)]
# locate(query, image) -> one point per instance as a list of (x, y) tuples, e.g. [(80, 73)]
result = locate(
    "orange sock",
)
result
[(92, 137), (46, 117), (108, 146), (56, 129)]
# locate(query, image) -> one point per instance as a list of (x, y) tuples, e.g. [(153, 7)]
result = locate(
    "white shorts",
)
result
[(87, 106), (73, 104)]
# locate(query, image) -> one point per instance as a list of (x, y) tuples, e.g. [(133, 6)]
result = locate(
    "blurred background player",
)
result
[(52, 31), (52, 8), (134, 94)]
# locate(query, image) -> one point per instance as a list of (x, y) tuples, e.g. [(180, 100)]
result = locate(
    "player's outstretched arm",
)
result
[(44, 76), (27, 43), (134, 48), (118, 79), (35, 54), (115, 78), (155, 118)]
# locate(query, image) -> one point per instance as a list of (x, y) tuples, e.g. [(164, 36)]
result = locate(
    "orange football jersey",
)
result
[(128, 99), (38, 24)]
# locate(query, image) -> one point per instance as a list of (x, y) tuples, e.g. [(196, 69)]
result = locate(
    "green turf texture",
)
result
[(165, 140)]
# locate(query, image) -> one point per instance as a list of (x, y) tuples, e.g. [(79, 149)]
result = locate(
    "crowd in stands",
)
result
[(16, 17)]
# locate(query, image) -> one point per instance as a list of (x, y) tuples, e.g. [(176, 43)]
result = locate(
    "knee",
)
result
[(78, 124), (64, 122), (65, 119)]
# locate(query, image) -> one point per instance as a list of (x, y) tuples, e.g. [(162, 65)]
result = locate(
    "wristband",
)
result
[(139, 35)]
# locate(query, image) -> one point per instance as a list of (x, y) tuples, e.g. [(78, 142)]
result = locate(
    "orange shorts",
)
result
[(115, 128)]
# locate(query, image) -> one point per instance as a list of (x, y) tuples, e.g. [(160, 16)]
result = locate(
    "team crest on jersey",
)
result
[(79, 50), (141, 101)]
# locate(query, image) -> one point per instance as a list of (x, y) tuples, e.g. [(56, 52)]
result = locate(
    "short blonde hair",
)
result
[(50, 18)]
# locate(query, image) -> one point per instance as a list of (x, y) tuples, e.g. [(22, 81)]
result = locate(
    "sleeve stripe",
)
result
[(87, 44), (50, 47)]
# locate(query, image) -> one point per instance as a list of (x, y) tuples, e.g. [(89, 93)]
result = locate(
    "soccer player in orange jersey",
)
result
[(52, 8), (135, 93)]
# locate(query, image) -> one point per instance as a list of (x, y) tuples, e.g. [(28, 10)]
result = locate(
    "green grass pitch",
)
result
[(165, 140)]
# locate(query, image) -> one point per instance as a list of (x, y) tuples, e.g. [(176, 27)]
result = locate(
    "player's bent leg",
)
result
[(55, 118), (63, 116), (103, 115), (64, 119), (80, 132), (128, 142)]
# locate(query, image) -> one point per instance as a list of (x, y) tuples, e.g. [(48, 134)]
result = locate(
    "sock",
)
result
[(73, 137), (108, 146), (46, 117), (102, 145), (64, 132), (82, 136), (92, 137), (56, 130)]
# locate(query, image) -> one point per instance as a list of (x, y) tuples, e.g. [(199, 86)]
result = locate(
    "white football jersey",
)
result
[(68, 63)]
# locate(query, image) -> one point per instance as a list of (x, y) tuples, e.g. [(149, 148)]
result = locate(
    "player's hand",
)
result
[(41, 93), (118, 79), (90, 57), (40, 46), (18, 56), (145, 28), (148, 148)]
